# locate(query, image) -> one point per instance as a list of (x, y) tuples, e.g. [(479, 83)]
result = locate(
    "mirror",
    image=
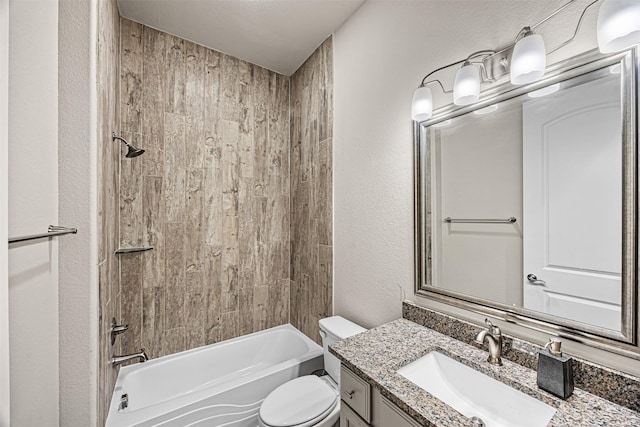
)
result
[(526, 202)]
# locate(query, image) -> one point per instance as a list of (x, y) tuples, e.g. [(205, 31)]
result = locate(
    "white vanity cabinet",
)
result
[(364, 406)]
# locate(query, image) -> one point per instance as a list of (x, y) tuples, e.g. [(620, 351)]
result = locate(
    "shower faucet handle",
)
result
[(117, 329)]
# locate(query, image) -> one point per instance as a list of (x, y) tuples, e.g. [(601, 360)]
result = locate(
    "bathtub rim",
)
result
[(139, 415)]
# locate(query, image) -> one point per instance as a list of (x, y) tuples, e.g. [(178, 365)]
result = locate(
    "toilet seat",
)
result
[(301, 402)]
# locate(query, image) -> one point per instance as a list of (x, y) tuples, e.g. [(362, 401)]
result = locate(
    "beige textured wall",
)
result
[(32, 205), (211, 194), (312, 191), (4, 201), (108, 157)]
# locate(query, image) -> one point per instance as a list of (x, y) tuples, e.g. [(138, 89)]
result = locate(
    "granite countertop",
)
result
[(377, 354)]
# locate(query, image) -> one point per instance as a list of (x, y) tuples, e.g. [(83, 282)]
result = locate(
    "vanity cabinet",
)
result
[(348, 418), (389, 415), (356, 393), (364, 406)]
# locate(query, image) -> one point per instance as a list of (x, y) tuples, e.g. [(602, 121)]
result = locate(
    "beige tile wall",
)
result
[(211, 194), (312, 191), (108, 152)]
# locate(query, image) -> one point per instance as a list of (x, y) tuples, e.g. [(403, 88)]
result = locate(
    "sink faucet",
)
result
[(494, 336), (119, 360)]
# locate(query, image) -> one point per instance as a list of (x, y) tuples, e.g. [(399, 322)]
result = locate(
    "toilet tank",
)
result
[(333, 329)]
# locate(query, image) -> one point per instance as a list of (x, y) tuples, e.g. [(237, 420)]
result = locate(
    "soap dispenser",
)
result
[(554, 370)]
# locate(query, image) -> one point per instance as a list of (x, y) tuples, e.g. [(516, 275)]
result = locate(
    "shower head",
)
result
[(132, 150)]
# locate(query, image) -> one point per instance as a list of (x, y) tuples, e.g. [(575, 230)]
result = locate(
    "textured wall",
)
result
[(32, 205), (4, 201), (376, 73), (108, 102), (311, 191), (211, 194), (78, 151)]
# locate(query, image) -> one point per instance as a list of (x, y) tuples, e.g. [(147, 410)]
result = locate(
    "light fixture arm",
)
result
[(575, 33), (440, 83), (466, 61), (436, 70), (560, 9), (524, 32), (483, 53)]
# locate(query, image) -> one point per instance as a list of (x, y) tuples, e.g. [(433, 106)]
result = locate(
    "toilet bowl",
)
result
[(311, 400)]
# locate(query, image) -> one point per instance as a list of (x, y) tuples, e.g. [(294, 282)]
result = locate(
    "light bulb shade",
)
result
[(618, 25), (422, 104), (466, 87), (529, 60)]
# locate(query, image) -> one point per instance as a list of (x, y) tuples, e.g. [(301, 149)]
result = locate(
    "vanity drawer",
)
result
[(356, 393), (390, 415), (348, 418)]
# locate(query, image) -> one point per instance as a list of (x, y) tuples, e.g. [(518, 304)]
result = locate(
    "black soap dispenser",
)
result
[(554, 370)]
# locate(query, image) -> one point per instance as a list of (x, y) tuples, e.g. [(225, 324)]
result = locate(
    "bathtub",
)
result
[(218, 385)]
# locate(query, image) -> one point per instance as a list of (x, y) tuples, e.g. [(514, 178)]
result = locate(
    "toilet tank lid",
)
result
[(340, 327)]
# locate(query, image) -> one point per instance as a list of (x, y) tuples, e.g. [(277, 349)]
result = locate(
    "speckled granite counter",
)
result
[(377, 354)]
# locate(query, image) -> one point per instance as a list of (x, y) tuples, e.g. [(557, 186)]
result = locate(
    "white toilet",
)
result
[(311, 400)]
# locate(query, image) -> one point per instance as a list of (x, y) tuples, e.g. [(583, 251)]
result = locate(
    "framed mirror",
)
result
[(526, 203)]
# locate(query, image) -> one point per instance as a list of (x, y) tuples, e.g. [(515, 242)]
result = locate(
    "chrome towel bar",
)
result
[(509, 220), (52, 231)]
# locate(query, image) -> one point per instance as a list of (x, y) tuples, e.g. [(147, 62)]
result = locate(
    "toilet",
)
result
[(311, 400)]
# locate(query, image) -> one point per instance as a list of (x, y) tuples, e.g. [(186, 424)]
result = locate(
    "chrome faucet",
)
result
[(494, 336), (119, 360)]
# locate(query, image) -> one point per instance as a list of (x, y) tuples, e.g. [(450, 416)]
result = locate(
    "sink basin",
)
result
[(475, 394)]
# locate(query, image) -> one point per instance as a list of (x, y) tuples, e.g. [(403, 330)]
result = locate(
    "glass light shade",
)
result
[(618, 25), (529, 60), (466, 87), (422, 104)]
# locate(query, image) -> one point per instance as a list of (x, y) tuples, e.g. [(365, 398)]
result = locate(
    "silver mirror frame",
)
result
[(625, 342)]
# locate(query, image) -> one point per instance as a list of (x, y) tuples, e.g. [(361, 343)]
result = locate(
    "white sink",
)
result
[(475, 394)]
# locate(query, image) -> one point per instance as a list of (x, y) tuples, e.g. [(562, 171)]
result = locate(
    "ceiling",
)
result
[(276, 34)]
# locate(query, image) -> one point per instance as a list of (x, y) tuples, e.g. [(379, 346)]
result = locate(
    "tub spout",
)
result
[(119, 360)]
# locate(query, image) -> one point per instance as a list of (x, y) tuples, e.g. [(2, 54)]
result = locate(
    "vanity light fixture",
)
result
[(529, 58), (525, 61), (422, 105), (466, 88), (618, 25)]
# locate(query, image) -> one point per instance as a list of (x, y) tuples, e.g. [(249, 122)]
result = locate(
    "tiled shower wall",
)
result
[(210, 194), (107, 53), (312, 191)]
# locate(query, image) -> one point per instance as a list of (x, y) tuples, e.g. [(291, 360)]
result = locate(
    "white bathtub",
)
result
[(218, 385)]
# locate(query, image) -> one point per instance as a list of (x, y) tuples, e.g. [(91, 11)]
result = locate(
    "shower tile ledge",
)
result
[(377, 354)]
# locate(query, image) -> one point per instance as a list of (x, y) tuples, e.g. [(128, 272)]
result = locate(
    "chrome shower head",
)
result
[(132, 150)]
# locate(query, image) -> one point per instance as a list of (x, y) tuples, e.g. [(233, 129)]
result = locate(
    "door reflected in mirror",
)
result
[(572, 202)]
